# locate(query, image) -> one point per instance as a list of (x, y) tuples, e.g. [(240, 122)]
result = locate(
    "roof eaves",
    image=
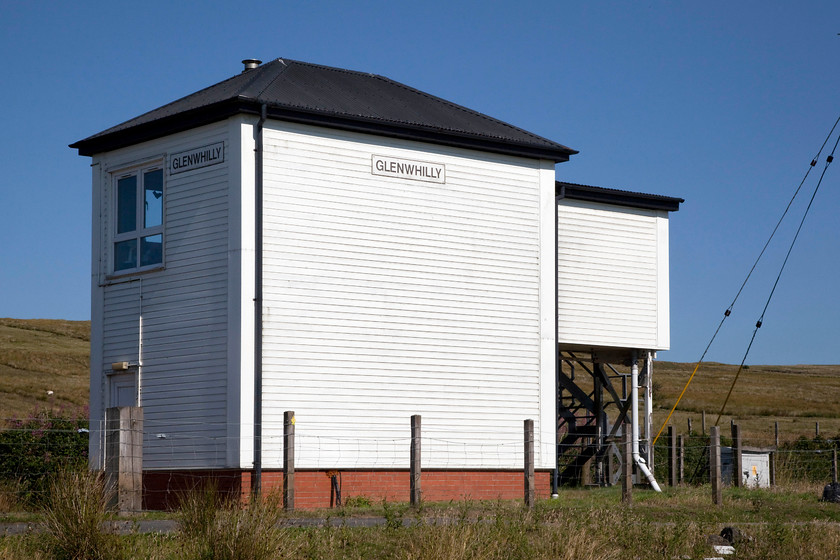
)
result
[(618, 197), (161, 127), (248, 105), (409, 131)]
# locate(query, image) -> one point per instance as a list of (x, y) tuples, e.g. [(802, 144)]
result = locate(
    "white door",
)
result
[(123, 389)]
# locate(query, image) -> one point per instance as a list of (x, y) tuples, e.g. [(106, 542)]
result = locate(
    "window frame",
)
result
[(140, 231)]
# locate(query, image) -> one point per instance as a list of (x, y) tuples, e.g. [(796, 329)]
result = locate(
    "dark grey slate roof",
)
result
[(618, 197), (309, 93)]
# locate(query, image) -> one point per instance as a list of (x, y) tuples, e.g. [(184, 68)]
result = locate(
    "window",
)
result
[(138, 228)]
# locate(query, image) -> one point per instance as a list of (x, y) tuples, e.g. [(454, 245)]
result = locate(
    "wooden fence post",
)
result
[(626, 465), (289, 459), (776, 424), (714, 465), (737, 457), (415, 468), (124, 458), (834, 465), (703, 423), (773, 468), (689, 425), (672, 456), (817, 429), (529, 464), (681, 466)]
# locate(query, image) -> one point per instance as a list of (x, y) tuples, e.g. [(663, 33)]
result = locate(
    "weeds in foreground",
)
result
[(222, 529), (9, 501), (74, 516), (584, 525)]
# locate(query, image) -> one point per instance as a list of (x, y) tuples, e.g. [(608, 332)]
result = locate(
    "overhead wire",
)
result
[(760, 321), (728, 310)]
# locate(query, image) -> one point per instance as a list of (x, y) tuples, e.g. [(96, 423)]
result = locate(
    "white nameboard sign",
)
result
[(196, 158), (407, 169)]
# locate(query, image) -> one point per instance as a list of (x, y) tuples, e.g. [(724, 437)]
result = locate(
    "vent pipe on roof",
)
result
[(250, 64)]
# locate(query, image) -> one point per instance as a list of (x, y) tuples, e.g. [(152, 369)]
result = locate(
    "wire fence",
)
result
[(33, 450), (809, 460)]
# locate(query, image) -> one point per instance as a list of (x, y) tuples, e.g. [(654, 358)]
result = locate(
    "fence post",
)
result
[(626, 465), (689, 425), (681, 466), (714, 465), (776, 428), (289, 459), (415, 468), (737, 457), (834, 465), (672, 456), (817, 429), (703, 423), (773, 468), (124, 457), (529, 464)]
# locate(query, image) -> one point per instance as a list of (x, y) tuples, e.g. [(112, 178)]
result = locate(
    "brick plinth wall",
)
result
[(162, 490)]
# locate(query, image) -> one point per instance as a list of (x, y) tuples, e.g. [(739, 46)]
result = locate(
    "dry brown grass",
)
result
[(40, 355), (794, 396), (43, 355), (74, 518)]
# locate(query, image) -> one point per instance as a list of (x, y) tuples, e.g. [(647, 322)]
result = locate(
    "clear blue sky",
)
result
[(720, 103)]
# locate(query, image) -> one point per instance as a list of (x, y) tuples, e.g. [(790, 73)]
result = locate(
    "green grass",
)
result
[(581, 524)]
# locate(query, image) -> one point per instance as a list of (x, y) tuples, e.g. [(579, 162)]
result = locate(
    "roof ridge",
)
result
[(464, 109), (427, 95), (276, 76), (180, 99), (333, 97)]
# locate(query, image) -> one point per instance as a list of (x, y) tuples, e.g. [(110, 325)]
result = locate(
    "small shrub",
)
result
[(358, 501), (74, 517), (393, 518), (198, 510), (219, 528), (696, 460), (37, 448), (9, 497), (806, 459)]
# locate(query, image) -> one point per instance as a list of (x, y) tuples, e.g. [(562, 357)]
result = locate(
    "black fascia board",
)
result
[(419, 133), (222, 110), (185, 120), (619, 198)]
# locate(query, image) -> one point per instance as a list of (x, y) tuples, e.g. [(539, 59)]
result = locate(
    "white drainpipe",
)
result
[(634, 420)]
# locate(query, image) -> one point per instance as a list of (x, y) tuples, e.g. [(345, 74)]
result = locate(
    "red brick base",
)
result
[(162, 490)]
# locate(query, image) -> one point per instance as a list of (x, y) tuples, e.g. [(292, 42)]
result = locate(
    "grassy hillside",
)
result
[(37, 356), (41, 355), (795, 396)]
